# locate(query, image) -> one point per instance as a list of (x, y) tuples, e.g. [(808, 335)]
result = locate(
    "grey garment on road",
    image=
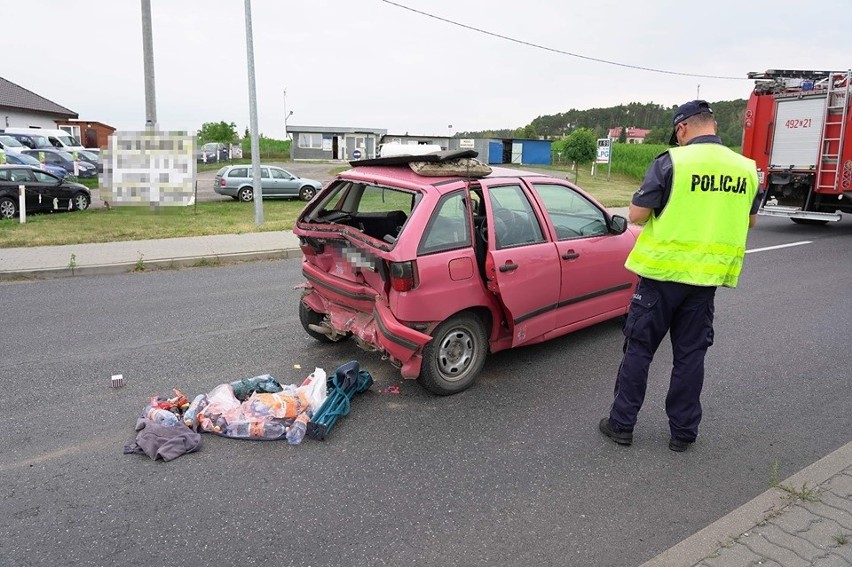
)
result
[(160, 441)]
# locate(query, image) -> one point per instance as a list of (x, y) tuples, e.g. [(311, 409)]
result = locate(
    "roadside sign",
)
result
[(356, 154), (603, 154), (466, 144), (149, 168)]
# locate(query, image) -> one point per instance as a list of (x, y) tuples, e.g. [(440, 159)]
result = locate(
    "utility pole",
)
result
[(255, 140), (698, 92), (148, 57)]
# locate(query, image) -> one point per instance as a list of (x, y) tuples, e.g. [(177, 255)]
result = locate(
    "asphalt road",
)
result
[(510, 472)]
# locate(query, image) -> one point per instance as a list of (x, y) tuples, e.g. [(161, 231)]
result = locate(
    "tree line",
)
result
[(650, 116)]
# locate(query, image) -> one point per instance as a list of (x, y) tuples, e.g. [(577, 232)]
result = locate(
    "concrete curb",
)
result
[(722, 532), (196, 261)]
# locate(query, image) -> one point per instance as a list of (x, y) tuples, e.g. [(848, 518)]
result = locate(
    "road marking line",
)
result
[(779, 246)]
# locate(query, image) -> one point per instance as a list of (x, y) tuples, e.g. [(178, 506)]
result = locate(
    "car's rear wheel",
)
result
[(454, 356), (80, 201), (246, 194), (307, 193), (308, 317), (8, 208)]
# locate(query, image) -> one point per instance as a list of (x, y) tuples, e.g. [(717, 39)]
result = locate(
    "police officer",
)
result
[(697, 202)]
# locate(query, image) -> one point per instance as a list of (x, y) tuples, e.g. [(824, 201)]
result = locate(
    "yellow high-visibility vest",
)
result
[(700, 236)]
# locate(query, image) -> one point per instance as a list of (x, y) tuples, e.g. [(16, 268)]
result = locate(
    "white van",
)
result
[(59, 138)]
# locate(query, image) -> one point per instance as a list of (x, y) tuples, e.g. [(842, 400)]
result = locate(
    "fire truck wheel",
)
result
[(454, 356), (811, 222)]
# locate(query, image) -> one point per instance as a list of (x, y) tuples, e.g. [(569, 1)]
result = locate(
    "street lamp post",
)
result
[(255, 141), (288, 115)]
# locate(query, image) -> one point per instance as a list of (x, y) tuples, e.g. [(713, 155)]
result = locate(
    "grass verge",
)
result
[(142, 223)]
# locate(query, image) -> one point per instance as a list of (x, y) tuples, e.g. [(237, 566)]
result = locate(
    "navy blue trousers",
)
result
[(686, 313)]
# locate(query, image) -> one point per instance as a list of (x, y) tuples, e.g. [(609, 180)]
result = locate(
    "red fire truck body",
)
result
[(797, 128)]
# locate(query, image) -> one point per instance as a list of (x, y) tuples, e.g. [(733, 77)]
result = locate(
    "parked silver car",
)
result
[(235, 181)]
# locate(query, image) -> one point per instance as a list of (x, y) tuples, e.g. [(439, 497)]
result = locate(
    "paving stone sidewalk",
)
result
[(805, 521)]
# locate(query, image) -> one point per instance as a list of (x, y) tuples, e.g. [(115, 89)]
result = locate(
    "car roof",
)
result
[(398, 169), (387, 175)]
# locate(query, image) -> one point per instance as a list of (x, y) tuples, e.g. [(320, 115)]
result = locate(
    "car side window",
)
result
[(515, 222), (4, 175), (43, 177), (278, 174), (449, 227), (264, 173), (238, 172), (22, 175), (572, 215)]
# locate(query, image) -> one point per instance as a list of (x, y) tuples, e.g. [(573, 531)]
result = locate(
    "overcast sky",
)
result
[(372, 64)]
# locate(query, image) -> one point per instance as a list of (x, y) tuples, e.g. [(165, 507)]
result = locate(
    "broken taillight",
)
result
[(403, 276)]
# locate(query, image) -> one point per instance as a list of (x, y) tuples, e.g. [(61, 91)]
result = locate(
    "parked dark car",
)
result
[(43, 192), (213, 152), (10, 144), (13, 158), (32, 141), (92, 157), (64, 160)]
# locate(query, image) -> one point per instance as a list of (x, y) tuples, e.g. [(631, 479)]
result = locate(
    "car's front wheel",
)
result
[(454, 356), (80, 201), (8, 208), (246, 194), (307, 193)]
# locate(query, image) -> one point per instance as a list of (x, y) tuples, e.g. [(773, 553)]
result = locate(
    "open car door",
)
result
[(522, 266)]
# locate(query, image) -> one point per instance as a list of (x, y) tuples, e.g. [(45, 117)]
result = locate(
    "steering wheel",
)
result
[(500, 229), (508, 235)]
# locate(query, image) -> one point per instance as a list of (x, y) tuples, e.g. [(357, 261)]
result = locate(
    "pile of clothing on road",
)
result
[(257, 408)]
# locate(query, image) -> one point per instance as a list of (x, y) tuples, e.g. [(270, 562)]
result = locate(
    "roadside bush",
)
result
[(270, 148)]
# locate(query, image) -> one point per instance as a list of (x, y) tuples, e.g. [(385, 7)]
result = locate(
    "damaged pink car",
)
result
[(434, 261)]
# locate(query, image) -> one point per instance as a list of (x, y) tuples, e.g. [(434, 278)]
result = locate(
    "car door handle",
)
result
[(508, 267), (570, 255)]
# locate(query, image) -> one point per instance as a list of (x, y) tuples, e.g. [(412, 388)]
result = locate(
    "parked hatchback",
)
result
[(65, 160), (42, 191), (13, 158), (236, 181), (435, 261)]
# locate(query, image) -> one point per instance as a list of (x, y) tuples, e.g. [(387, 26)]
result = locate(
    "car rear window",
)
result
[(376, 210)]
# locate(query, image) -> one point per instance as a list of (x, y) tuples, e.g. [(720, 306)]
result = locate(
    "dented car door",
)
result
[(522, 265)]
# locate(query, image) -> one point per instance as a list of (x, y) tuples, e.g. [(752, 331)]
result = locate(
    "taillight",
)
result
[(403, 276), (221, 182)]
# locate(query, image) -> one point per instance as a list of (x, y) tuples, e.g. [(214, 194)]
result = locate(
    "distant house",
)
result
[(334, 142), (634, 135), (92, 134), (22, 108)]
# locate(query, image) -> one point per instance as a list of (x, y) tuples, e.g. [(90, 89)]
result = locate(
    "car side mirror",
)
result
[(617, 224)]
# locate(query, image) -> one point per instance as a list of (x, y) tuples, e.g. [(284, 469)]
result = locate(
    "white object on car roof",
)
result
[(395, 149)]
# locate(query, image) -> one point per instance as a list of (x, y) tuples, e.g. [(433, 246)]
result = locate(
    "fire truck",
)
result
[(796, 127)]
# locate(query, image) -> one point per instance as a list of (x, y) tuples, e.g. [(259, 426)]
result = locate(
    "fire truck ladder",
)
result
[(833, 132)]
